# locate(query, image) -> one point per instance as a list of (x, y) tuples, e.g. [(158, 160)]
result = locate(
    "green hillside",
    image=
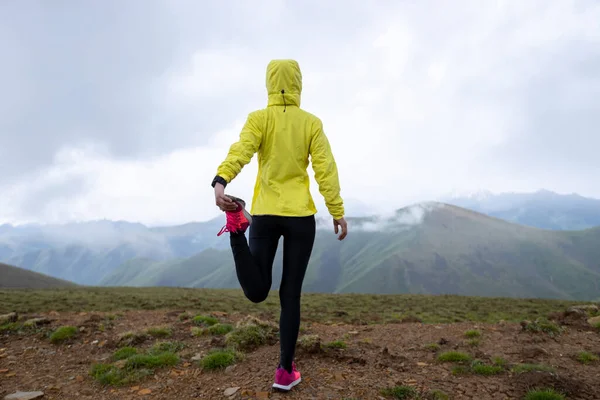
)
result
[(424, 249), (13, 277)]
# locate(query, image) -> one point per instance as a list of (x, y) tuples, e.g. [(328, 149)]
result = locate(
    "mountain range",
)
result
[(450, 250), (497, 248), (542, 209)]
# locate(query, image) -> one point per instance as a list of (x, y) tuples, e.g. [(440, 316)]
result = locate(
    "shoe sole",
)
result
[(243, 203), (288, 387)]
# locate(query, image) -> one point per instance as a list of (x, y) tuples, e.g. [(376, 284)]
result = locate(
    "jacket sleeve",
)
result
[(326, 173), (241, 152)]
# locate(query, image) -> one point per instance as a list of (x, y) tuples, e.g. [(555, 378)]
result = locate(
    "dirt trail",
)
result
[(376, 357)]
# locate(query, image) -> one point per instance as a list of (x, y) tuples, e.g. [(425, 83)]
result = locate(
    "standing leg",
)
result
[(254, 263), (299, 237)]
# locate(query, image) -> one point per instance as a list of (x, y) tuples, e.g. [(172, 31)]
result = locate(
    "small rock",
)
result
[(197, 357), (120, 364), (24, 396), (231, 391), (144, 392), (229, 369), (422, 364), (8, 318), (262, 395), (95, 342)]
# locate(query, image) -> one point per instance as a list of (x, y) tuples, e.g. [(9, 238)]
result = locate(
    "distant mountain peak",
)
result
[(478, 195)]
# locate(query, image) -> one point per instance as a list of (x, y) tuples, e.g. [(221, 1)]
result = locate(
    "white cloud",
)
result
[(418, 100)]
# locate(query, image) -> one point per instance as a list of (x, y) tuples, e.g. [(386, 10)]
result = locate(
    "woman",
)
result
[(284, 136)]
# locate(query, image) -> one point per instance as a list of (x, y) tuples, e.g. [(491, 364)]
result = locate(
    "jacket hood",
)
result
[(284, 75)]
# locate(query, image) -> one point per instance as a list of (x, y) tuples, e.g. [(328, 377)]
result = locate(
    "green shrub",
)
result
[(124, 353), (471, 334), (438, 395), (400, 392), (108, 374), (545, 394), (545, 326), (585, 357), (159, 331), (204, 320), (63, 334), (454, 356), (220, 329), (151, 361), (218, 359), (499, 361), (166, 347), (336, 344), (247, 338)]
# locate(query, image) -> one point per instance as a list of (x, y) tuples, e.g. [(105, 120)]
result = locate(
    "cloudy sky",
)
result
[(124, 109)]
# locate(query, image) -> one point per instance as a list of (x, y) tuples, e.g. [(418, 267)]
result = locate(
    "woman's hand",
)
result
[(222, 201), (340, 223)]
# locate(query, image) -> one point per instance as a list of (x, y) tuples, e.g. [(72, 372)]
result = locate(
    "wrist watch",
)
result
[(220, 180)]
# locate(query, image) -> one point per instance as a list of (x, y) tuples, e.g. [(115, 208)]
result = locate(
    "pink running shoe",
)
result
[(286, 381), (237, 221)]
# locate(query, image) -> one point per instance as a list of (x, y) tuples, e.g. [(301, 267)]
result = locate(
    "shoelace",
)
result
[(234, 222)]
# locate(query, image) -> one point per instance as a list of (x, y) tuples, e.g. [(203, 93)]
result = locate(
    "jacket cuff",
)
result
[(220, 180)]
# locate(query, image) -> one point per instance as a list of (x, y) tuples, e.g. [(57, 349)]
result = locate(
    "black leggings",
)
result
[(254, 266)]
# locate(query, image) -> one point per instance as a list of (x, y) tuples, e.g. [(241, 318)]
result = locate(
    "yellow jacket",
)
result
[(285, 136)]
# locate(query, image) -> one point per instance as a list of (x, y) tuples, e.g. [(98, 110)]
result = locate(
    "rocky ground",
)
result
[(504, 361)]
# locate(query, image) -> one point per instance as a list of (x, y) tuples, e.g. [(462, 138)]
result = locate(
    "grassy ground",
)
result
[(322, 308)]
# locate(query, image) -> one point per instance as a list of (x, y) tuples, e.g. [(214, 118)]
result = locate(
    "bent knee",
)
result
[(257, 296)]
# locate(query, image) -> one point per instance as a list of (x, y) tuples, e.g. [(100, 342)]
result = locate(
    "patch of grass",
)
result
[(460, 370), (247, 338), (11, 327), (184, 316), (585, 357), (205, 320), (220, 329), (124, 353), (438, 395), (250, 334), (432, 347), (499, 361), (63, 334), (473, 342), (544, 394), (400, 392), (544, 326), (166, 347), (336, 344), (472, 334), (159, 331), (151, 361), (454, 356), (218, 359), (480, 368), (521, 368), (596, 326), (111, 375), (359, 308)]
